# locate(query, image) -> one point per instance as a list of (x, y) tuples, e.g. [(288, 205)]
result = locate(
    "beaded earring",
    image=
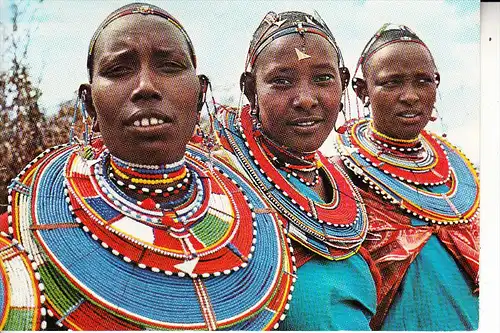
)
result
[(366, 107), (206, 129), (88, 126)]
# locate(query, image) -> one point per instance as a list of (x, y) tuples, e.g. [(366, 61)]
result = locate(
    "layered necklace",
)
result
[(21, 294), (334, 229), (426, 177), (111, 262)]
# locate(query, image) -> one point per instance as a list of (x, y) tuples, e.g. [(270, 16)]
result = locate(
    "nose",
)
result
[(409, 94), (146, 87), (306, 98)]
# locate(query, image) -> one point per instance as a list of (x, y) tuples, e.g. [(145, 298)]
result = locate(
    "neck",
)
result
[(165, 181), (303, 166)]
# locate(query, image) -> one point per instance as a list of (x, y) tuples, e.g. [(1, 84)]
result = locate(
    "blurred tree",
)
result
[(22, 122)]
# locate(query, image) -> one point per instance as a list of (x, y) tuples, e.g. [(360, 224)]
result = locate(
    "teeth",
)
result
[(410, 115), (308, 123), (144, 122)]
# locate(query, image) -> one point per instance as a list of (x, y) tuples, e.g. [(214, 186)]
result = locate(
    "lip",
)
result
[(410, 116), (305, 125), (147, 114), (148, 121)]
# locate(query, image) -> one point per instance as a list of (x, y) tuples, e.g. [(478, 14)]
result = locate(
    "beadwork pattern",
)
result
[(444, 192), (242, 278), (334, 230), (20, 290)]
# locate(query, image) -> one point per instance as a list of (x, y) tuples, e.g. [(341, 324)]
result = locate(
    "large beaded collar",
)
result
[(107, 264)]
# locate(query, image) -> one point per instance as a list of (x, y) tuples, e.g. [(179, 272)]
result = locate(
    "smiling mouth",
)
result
[(306, 123), (409, 115), (148, 122)]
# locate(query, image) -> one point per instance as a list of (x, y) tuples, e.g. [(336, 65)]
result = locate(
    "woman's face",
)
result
[(401, 85), (145, 89), (298, 100)]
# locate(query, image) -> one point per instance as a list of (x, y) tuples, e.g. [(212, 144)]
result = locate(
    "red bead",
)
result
[(168, 221), (148, 204)]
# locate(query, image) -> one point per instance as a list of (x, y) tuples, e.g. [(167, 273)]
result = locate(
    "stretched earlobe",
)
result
[(437, 79), (360, 88), (202, 96), (344, 77), (85, 94), (247, 86)]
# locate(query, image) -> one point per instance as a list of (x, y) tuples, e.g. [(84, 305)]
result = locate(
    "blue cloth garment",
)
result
[(331, 295), (434, 285)]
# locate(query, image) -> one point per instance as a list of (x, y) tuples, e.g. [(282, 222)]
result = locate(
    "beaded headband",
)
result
[(274, 26), (388, 34), (135, 8)]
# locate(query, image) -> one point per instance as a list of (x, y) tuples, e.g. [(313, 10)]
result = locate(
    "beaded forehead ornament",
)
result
[(274, 26), (135, 8), (388, 34)]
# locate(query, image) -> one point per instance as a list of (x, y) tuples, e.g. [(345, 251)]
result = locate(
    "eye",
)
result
[(323, 78), (425, 80), (392, 83), (116, 71), (281, 81), (171, 66)]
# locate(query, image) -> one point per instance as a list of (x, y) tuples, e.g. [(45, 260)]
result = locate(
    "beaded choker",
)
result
[(140, 178), (110, 263), (439, 186), (335, 229)]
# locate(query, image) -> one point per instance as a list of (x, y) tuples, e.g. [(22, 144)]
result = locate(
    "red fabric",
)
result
[(4, 224), (393, 244)]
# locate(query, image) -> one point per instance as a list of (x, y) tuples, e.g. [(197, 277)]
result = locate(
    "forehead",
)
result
[(281, 51), (137, 29), (400, 57)]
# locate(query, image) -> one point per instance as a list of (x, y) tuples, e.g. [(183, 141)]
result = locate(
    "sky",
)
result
[(221, 32)]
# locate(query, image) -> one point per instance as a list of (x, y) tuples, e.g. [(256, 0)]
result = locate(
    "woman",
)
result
[(294, 79), (134, 231), (421, 193)]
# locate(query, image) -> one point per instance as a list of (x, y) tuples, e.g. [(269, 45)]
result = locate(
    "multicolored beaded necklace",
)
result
[(303, 163), (21, 293), (438, 184), (335, 229), (109, 263)]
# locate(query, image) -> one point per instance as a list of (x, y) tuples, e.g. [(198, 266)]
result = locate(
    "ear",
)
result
[(360, 88), (204, 83), (437, 78), (247, 85), (85, 94), (344, 77)]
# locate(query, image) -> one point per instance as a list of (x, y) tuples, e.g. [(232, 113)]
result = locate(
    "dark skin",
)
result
[(143, 70), (300, 98), (401, 82), (144, 93)]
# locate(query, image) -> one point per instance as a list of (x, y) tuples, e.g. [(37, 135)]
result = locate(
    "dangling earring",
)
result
[(208, 136), (80, 108), (341, 129), (366, 107), (434, 115)]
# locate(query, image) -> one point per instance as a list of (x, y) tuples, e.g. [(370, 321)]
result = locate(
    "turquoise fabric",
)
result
[(436, 288), (331, 295)]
